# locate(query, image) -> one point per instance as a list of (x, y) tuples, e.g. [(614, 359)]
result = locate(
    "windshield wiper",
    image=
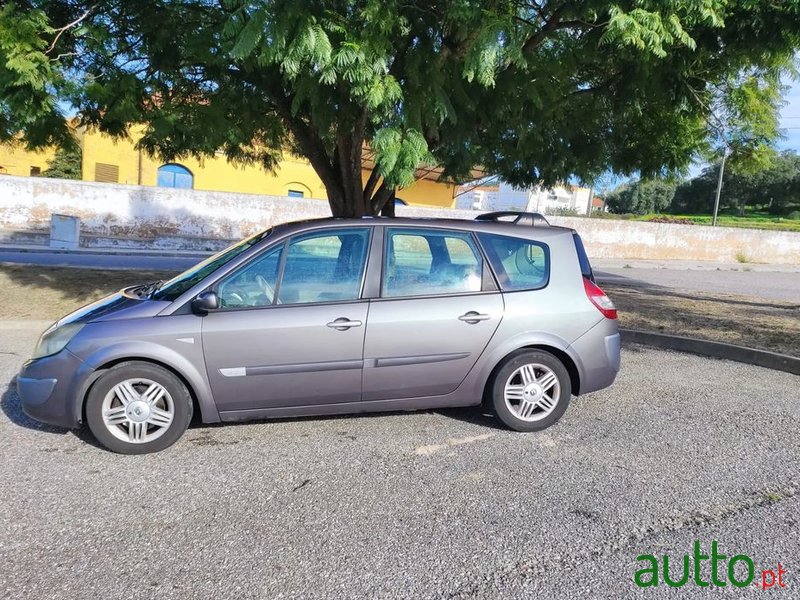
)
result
[(148, 289)]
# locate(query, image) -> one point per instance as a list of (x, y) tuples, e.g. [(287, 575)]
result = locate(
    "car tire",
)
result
[(530, 390), (138, 407)]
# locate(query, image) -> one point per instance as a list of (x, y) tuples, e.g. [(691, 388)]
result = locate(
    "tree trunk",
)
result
[(341, 173), (388, 208), (348, 195)]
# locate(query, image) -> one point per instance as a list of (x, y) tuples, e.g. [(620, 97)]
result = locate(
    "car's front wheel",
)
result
[(531, 390), (138, 407)]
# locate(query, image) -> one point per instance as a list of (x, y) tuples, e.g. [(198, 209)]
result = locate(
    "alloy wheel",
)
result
[(138, 410), (532, 392)]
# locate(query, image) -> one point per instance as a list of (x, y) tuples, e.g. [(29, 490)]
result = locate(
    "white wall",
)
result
[(135, 216)]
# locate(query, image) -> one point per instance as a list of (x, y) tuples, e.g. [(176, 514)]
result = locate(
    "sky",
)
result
[(790, 119)]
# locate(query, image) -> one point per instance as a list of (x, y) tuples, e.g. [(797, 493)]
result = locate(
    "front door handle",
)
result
[(343, 324), (473, 317)]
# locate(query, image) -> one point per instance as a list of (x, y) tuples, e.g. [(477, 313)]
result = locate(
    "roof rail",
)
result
[(521, 218)]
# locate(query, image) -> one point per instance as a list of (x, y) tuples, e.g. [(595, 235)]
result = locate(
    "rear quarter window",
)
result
[(519, 264), (583, 258)]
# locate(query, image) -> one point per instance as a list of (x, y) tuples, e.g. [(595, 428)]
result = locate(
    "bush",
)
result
[(794, 215), (601, 214), (670, 219), (563, 212)]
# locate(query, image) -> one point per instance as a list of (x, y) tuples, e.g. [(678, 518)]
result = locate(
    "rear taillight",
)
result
[(599, 299)]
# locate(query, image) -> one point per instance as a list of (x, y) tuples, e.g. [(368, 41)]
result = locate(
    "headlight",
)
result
[(55, 338)]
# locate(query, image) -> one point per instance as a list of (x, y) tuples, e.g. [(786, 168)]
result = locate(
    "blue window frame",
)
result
[(175, 176), (296, 194)]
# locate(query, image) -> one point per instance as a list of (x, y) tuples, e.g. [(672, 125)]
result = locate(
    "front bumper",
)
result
[(49, 389)]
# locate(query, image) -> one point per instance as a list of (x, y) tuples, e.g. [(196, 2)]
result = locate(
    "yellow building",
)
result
[(118, 161), (16, 160)]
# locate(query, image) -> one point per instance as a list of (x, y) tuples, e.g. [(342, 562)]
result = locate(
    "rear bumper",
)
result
[(598, 351), (46, 388)]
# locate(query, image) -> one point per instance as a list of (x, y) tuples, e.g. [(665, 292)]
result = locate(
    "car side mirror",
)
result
[(205, 302)]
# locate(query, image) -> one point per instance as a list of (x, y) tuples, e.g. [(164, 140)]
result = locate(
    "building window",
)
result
[(175, 176), (36, 171), (296, 194), (106, 173)]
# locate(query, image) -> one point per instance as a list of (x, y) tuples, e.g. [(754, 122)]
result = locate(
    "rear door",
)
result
[(291, 328), (437, 311)]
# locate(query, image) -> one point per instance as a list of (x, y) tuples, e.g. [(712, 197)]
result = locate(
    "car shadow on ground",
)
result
[(12, 408), (473, 415)]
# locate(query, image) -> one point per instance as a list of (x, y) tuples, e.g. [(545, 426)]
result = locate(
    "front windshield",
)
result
[(176, 286)]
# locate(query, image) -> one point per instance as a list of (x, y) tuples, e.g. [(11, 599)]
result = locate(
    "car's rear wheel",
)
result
[(531, 390), (138, 407)]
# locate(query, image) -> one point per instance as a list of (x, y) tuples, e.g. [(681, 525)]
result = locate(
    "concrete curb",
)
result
[(751, 356)]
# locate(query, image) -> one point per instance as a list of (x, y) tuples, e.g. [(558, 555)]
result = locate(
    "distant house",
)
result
[(599, 204), (557, 200)]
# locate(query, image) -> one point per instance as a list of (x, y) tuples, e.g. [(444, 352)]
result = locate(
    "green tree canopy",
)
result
[(537, 91), (66, 164), (641, 197), (775, 188)]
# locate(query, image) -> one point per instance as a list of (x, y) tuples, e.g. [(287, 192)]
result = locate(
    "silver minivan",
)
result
[(337, 316)]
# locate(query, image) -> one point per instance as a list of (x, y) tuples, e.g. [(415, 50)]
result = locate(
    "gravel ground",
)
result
[(414, 505)]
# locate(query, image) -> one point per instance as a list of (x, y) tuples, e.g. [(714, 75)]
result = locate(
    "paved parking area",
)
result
[(413, 505)]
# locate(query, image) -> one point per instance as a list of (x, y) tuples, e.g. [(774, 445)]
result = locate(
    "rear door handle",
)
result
[(343, 324), (473, 317)]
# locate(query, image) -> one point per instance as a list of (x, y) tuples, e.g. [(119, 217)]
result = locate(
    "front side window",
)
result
[(319, 267), (518, 263), (325, 267), (254, 285), (424, 262)]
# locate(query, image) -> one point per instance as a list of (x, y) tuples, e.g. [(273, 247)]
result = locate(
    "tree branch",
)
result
[(380, 197), (550, 25), (61, 30), (369, 187)]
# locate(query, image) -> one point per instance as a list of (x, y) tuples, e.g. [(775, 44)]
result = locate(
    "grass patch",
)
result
[(31, 292), (755, 220), (753, 322)]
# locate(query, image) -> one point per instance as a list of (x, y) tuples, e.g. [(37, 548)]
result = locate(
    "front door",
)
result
[(436, 314), (290, 330)]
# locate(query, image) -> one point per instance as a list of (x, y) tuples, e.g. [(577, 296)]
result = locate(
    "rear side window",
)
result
[(425, 262), (518, 263)]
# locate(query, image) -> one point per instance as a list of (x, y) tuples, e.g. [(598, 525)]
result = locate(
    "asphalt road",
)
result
[(769, 285), (756, 282), (101, 261), (413, 505)]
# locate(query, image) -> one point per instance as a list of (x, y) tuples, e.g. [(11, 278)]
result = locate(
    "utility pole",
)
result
[(719, 186)]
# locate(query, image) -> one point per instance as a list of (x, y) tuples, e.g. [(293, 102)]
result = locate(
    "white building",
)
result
[(535, 199)]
